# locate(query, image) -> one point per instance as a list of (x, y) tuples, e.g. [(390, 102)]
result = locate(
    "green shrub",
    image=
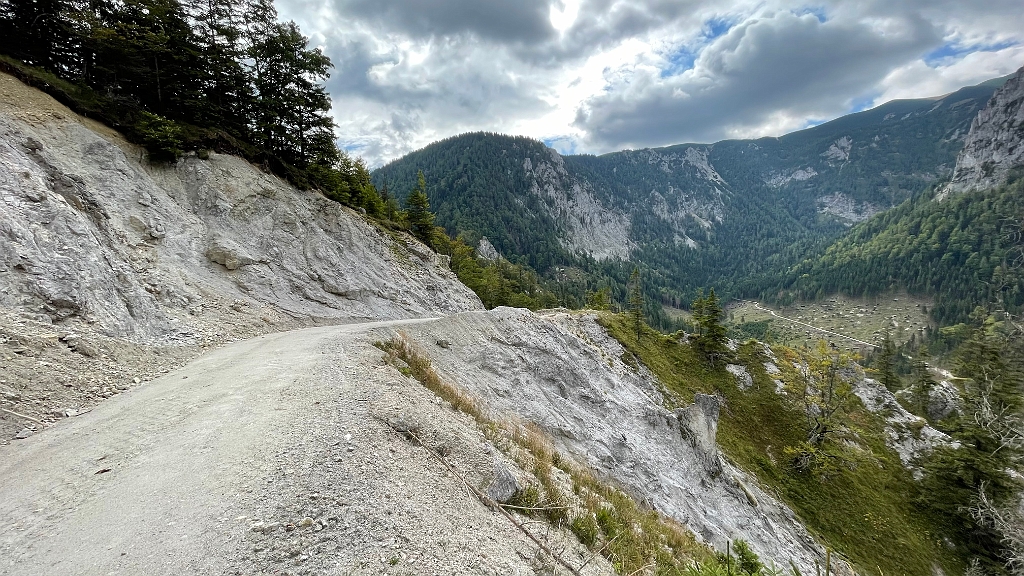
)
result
[(746, 559), (162, 138), (528, 497), (609, 524)]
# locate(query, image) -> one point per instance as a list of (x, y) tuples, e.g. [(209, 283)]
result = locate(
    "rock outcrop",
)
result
[(563, 372), (113, 270), (590, 227), (995, 144), (90, 232), (909, 435)]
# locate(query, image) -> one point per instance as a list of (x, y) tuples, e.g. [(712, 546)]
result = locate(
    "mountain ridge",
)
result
[(691, 215)]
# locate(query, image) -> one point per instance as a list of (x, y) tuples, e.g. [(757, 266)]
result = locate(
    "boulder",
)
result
[(504, 485)]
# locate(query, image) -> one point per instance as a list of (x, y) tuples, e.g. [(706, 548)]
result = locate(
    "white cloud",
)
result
[(916, 78), (598, 75)]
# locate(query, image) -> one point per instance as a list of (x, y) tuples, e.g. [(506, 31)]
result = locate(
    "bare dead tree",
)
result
[(1008, 522), (1004, 426)]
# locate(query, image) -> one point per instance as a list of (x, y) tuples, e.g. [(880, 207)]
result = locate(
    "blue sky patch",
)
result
[(679, 62), (715, 28), (861, 104), (955, 51), (564, 145), (683, 59), (817, 11)]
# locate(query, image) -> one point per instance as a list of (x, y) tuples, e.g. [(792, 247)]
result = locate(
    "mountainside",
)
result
[(960, 244), (387, 447), (112, 269), (995, 144), (694, 214), (117, 271)]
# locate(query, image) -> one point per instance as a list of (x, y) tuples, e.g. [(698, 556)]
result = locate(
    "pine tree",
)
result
[(42, 33), (826, 392), (599, 299), (421, 219), (922, 387), (954, 478)]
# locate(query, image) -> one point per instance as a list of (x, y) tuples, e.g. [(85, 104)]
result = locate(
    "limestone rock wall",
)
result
[(995, 144), (91, 233)]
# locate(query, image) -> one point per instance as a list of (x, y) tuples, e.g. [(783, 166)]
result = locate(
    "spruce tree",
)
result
[(886, 364), (711, 334), (421, 219)]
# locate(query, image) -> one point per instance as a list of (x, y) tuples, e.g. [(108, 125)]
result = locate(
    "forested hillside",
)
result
[(194, 75), (964, 251), (961, 245), (726, 215)]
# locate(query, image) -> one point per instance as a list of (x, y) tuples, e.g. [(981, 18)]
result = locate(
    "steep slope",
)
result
[(564, 373), (107, 261), (695, 214), (294, 450), (994, 145)]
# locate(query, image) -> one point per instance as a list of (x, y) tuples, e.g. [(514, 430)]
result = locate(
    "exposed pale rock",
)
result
[(563, 372), (227, 254), (943, 401), (776, 180), (486, 250), (846, 209), (909, 435), (839, 151), (85, 237), (590, 227), (995, 143), (743, 378), (698, 158), (504, 485), (699, 423)]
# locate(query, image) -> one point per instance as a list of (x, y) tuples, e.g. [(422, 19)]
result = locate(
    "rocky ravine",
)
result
[(113, 270), (993, 146)]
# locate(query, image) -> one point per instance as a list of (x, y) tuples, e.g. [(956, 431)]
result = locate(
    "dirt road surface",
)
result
[(260, 457)]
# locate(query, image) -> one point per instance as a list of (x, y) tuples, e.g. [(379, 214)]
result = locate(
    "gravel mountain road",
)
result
[(263, 456)]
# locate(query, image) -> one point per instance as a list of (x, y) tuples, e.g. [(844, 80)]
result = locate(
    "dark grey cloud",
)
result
[(493, 20), (777, 64)]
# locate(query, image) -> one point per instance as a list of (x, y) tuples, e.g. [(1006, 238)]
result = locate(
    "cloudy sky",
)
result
[(601, 75)]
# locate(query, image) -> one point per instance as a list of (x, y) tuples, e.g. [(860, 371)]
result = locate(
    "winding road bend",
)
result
[(152, 481)]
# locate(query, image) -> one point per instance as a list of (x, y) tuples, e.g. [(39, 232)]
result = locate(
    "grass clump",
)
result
[(411, 362)]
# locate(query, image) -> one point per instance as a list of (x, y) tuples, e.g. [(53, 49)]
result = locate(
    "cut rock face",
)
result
[(85, 235), (699, 423)]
